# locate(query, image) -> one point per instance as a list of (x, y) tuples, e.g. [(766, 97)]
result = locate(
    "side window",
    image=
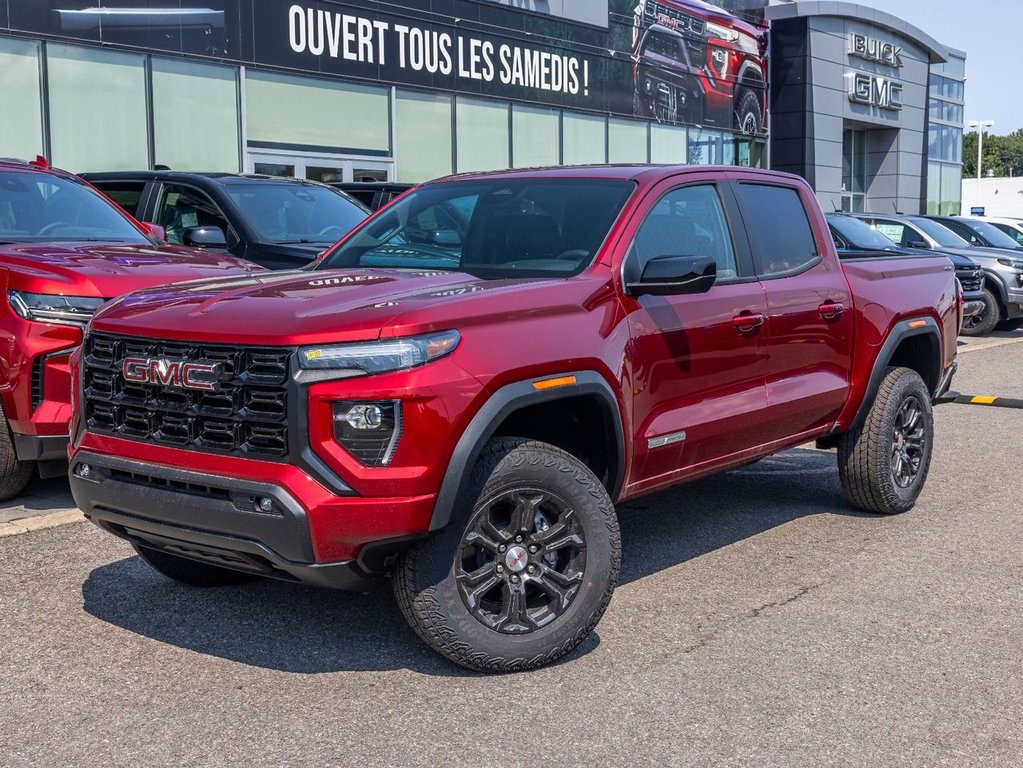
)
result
[(689, 221), (126, 194), (894, 231), (963, 231), (182, 208), (780, 227)]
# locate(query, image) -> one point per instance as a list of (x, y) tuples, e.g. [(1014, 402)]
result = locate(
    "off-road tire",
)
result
[(14, 474), (425, 585), (191, 572), (865, 455), (748, 108), (985, 322)]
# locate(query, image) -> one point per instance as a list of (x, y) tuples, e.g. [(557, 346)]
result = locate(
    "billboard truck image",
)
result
[(696, 63)]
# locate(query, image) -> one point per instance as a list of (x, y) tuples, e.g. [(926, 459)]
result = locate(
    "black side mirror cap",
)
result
[(205, 237), (675, 276)]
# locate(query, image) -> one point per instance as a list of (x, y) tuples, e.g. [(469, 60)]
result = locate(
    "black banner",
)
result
[(675, 61)]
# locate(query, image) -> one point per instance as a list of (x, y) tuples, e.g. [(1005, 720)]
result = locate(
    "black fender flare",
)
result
[(906, 329), (504, 402), (995, 281), (750, 75)]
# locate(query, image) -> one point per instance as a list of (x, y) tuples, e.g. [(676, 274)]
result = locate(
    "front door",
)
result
[(323, 168), (698, 360), (809, 332)]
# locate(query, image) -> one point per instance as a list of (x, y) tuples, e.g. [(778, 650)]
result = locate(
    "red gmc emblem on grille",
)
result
[(171, 373)]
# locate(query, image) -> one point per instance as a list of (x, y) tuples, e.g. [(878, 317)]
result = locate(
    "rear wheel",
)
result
[(14, 474), (985, 322), (191, 572), (883, 464), (525, 573)]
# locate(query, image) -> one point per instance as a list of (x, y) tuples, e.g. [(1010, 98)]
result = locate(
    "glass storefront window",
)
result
[(423, 144), (711, 148), (933, 188), (21, 129), (195, 116), (482, 135), (309, 114), (951, 189), (536, 137), (627, 141), (584, 139), (751, 153), (98, 115), (668, 144)]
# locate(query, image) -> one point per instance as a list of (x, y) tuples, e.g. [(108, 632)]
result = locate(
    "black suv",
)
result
[(279, 223), (372, 194), (854, 238)]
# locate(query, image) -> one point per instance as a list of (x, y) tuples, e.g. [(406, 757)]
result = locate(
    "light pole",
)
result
[(980, 125)]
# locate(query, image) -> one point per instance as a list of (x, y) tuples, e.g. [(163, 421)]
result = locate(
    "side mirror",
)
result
[(916, 244), (446, 238), (675, 275), (155, 231), (205, 237)]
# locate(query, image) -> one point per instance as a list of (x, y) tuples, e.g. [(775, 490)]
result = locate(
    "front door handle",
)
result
[(830, 310), (747, 322)]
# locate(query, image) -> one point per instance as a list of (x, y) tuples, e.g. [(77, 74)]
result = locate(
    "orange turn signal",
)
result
[(563, 381)]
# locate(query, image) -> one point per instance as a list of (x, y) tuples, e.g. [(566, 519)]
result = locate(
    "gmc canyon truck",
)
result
[(64, 250), (463, 388)]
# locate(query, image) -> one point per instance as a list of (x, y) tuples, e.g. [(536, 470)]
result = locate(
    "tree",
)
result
[(1003, 155)]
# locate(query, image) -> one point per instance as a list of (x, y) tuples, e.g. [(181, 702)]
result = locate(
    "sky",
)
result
[(992, 59)]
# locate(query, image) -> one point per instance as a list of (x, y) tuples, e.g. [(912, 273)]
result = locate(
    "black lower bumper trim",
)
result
[(41, 447), (206, 518)]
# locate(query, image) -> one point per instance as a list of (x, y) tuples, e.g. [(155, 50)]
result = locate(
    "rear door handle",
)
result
[(747, 322), (831, 309)]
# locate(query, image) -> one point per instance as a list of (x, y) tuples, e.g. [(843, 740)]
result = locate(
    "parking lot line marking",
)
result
[(40, 522)]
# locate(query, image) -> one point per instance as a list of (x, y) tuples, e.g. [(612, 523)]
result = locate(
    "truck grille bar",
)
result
[(245, 413)]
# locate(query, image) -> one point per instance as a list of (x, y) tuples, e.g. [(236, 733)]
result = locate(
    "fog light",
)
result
[(265, 504), (368, 431), (84, 470)]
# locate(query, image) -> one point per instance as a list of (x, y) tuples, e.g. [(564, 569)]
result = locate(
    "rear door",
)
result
[(129, 195), (809, 331), (697, 360)]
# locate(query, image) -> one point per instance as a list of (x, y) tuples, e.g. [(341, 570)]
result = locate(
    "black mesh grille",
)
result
[(246, 415), (38, 368), (971, 279)]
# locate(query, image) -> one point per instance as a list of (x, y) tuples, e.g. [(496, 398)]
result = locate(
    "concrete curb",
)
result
[(40, 522)]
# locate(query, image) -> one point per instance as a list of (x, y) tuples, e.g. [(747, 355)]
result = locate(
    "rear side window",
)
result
[(963, 231), (126, 194), (780, 228)]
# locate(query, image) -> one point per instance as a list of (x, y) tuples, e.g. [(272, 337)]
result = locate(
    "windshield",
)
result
[(491, 227), (946, 238), (859, 234), (45, 208), (296, 213), (992, 234)]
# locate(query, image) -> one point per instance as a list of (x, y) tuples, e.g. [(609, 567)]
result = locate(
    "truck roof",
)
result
[(629, 171)]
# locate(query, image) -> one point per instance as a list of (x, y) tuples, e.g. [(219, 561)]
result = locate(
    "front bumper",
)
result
[(973, 308), (214, 519)]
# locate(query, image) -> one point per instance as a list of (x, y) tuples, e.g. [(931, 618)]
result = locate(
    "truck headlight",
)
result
[(1014, 263), (369, 431), (50, 308), (722, 33), (380, 356)]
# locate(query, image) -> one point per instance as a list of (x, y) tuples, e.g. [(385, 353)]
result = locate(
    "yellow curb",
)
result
[(41, 522)]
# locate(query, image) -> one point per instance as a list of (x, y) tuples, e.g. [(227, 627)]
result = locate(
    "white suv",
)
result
[(1012, 227)]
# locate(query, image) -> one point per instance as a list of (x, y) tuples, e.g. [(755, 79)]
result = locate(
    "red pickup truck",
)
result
[(464, 387), (64, 250)]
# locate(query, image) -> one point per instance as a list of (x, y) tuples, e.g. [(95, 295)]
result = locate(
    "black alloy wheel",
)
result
[(909, 442), (523, 556)]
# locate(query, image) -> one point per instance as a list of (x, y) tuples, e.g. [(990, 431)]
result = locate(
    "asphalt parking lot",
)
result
[(759, 621)]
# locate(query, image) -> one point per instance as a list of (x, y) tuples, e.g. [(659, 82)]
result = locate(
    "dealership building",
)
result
[(864, 105)]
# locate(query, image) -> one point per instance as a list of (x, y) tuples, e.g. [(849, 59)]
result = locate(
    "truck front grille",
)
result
[(971, 279), (245, 414)]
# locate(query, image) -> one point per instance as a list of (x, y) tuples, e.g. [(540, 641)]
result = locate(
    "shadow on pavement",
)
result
[(290, 628), (40, 497)]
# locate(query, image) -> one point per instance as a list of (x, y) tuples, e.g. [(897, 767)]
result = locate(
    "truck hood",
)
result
[(313, 307), (105, 270)]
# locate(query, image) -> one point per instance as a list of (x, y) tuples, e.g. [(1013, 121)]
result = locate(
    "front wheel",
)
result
[(526, 571), (14, 473), (883, 464), (985, 322)]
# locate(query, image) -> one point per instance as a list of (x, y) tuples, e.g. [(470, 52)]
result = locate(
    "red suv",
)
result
[(64, 251)]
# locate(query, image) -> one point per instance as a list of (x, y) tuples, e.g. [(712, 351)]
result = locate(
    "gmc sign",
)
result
[(171, 373)]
